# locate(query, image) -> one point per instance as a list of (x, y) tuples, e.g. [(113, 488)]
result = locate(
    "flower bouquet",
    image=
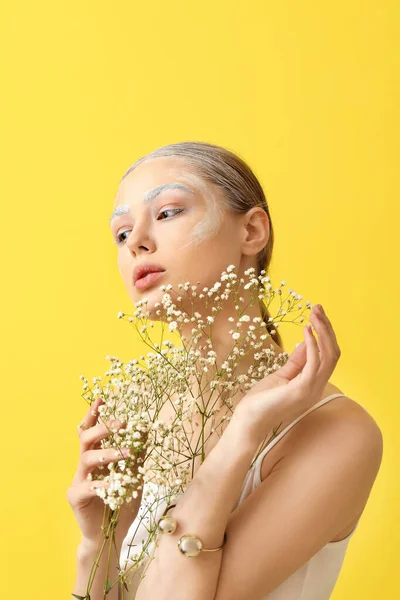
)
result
[(174, 403)]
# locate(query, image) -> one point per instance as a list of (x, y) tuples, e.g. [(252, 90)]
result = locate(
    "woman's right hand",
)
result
[(86, 505)]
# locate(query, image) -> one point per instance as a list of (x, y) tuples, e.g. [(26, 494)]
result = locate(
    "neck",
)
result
[(222, 343)]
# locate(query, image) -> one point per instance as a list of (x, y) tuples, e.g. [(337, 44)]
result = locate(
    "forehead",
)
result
[(153, 177), (157, 171)]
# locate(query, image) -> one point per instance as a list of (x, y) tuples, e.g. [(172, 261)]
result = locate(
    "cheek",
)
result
[(123, 268), (206, 229)]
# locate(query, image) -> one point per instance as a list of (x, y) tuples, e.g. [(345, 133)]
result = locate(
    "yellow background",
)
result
[(307, 93)]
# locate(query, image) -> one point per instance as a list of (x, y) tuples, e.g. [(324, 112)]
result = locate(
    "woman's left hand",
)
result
[(291, 390)]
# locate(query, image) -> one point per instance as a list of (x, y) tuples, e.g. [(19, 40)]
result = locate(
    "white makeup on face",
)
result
[(122, 209), (211, 222), (150, 195), (204, 229)]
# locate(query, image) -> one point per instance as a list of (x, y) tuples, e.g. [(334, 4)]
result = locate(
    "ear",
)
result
[(256, 230)]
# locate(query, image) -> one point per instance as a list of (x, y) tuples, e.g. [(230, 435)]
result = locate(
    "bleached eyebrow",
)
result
[(150, 195)]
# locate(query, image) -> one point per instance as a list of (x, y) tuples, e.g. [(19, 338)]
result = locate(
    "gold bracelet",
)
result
[(190, 544)]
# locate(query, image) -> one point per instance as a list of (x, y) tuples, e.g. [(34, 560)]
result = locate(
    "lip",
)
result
[(146, 281), (143, 269)]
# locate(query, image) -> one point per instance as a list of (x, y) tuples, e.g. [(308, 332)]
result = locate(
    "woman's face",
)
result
[(184, 229)]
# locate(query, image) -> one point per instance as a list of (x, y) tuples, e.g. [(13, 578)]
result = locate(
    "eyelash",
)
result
[(174, 210)]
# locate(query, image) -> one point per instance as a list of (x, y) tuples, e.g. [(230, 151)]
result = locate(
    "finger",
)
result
[(330, 333), (79, 495), (328, 345), (95, 459), (90, 438), (333, 334), (294, 364), (90, 417), (313, 358)]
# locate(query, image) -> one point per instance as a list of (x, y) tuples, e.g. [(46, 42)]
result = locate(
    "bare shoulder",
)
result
[(344, 412), (328, 430), (342, 416), (340, 411)]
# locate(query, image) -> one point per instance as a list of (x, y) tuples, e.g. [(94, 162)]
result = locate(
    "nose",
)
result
[(140, 239)]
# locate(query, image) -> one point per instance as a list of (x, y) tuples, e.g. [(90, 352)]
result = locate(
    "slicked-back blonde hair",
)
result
[(240, 188)]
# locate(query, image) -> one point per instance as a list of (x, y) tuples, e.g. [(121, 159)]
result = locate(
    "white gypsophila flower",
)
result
[(134, 392), (244, 318)]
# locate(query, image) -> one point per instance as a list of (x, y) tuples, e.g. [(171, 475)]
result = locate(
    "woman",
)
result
[(188, 210)]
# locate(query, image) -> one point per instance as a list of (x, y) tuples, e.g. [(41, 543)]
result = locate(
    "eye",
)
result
[(120, 241)]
